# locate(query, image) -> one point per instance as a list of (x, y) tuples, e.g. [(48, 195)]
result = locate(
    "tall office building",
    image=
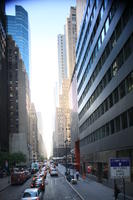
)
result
[(33, 144), (62, 122), (3, 81), (74, 120), (59, 134), (18, 100), (80, 9), (18, 27), (62, 65), (71, 38), (104, 55)]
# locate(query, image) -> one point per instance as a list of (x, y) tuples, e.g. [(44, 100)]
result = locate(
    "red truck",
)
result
[(18, 177)]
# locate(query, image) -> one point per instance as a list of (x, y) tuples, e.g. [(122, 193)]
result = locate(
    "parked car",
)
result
[(32, 194), (54, 172), (34, 178), (18, 177), (3, 173), (40, 183), (27, 174)]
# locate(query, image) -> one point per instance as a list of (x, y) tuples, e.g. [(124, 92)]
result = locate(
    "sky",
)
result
[(46, 20)]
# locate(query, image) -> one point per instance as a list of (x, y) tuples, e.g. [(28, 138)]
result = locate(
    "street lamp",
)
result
[(66, 153)]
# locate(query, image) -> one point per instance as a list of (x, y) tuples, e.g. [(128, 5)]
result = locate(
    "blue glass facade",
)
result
[(17, 26)]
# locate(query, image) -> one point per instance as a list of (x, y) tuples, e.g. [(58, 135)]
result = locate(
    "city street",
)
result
[(14, 192), (57, 188)]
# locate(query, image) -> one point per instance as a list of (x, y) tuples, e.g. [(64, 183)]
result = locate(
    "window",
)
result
[(99, 43), (115, 95), (112, 41), (96, 3), (102, 109), (130, 82), (126, 15), (103, 131), (104, 81), (106, 105), (127, 49), (114, 68), (117, 123), (124, 120), (112, 11), (103, 58), (107, 129), (118, 30), (130, 116), (102, 35), (101, 12), (120, 59), (122, 89), (107, 49), (11, 94), (110, 100), (108, 75), (112, 127), (105, 4)]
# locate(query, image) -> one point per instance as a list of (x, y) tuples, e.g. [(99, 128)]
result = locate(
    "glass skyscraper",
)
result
[(17, 26)]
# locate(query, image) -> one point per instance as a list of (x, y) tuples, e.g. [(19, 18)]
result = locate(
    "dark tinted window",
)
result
[(130, 115), (124, 120)]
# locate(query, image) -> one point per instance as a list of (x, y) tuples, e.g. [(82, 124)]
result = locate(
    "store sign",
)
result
[(120, 168)]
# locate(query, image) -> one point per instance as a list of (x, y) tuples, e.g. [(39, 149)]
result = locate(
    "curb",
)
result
[(75, 190), (5, 188), (72, 187)]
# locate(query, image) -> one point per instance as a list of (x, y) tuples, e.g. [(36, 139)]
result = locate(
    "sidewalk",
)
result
[(4, 183), (92, 190)]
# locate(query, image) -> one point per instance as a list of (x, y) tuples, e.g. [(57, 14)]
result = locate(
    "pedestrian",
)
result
[(116, 191), (77, 175)]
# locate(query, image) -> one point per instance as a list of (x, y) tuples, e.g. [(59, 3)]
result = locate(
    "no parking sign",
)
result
[(120, 168)]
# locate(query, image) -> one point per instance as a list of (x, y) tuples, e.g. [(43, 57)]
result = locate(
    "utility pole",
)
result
[(66, 154)]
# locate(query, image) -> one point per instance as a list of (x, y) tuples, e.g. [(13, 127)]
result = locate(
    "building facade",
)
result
[(66, 61), (18, 101), (71, 38), (74, 121), (80, 9), (104, 54), (33, 134), (59, 134), (4, 137), (62, 65), (18, 27)]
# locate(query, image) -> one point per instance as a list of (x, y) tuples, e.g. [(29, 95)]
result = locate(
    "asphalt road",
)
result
[(14, 192), (56, 189), (59, 189)]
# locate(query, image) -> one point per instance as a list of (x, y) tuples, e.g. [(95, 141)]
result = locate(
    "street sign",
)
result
[(120, 168)]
